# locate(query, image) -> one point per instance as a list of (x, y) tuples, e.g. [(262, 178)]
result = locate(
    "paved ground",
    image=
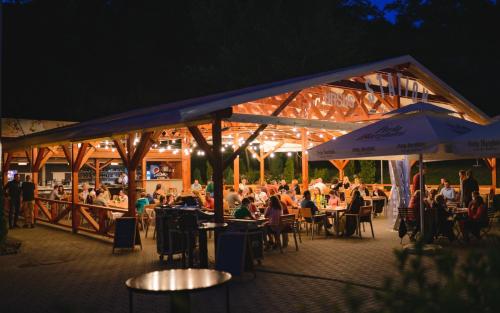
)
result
[(56, 271)]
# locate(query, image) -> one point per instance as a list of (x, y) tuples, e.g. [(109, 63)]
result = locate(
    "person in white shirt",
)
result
[(243, 184), (319, 184), (196, 186), (447, 191)]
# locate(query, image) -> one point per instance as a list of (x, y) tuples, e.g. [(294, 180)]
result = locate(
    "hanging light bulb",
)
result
[(294, 129), (169, 147), (176, 151), (310, 144), (161, 150), (194, 144), (79, 145), (190, 150), (254, 156), (112, 149), (186, 151), (307, 152), (321, 135), (272, 155), (289, 154), (334, 138), (297, 135), (202, 152)]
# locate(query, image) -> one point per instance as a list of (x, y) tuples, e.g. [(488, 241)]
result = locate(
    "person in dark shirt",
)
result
[(416, 181), (444, 223), (13, 193), (308, 203), (295, 186), (469, 185), (243, 212), (283, 186), (28, 191)]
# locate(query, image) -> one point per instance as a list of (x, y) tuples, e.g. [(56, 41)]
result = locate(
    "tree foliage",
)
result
[(367, 171), (88, 58), (289, 172)]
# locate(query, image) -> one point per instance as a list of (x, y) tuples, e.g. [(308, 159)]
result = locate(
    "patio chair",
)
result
[(287, 225), (298, 218), (311, 220), (364, 216), (404, 216)]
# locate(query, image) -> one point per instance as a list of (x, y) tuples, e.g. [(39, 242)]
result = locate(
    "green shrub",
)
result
[(368, 170), (289, 171), (210, 171), (197, 175), (229, 176)]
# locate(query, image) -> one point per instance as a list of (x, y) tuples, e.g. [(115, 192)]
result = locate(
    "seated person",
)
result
[(122, 196), (447, 191), (196, 186), (444, 223), (348, 224), (378, 205), (243, 212), (150, 198), (158, 192), (334, 200), (252, 207), (308, 203), (209, 202), (284, 207), (273, 213), (100, 198), (286, 199), (233, 199), (363, 190), (477, 217), (141, 203)]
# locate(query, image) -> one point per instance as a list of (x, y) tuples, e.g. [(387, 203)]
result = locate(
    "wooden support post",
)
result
[(218, 169), (75, 212), (494, 172), (236, 168), (262, 167), (97, 165), (131, 171), (186, 163), (5, 167), (340, 165), (305, 160), (143, 173)]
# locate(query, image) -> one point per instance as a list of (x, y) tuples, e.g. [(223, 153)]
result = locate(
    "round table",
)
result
[(202, 233), (180, 283)]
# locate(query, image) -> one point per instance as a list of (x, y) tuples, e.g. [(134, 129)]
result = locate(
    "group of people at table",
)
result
[(445, 206), (272, 200)]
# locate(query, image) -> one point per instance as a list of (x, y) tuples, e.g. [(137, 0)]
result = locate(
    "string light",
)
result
[(112, 149), (289, 154), (294, 129), (254, 156), (321, 135), (222, 149), (161, 150), (169, 147), (271, 155), (297, 135), (176, 151)]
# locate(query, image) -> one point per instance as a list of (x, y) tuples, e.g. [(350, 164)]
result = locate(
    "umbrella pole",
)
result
[(420, 167)]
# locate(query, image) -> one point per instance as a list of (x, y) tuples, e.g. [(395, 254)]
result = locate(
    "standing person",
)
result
[(441, 185), (477, 217), (13, 192), (28, 194), (469, 185), (416, 180), (461, 177), (447, 191)]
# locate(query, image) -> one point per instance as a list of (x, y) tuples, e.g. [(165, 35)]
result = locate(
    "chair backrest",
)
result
[(365, 210), (287, 219), (305, 212), (404, 212), (295, 212)]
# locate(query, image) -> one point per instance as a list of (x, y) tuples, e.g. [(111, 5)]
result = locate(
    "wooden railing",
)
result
[(89, 218)]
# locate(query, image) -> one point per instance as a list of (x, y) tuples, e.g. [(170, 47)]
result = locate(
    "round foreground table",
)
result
[(179, 283)]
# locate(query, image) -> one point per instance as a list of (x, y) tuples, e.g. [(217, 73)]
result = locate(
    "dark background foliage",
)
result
[(76, 60)]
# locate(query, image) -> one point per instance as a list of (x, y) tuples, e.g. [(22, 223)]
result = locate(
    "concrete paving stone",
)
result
[(57, 272)]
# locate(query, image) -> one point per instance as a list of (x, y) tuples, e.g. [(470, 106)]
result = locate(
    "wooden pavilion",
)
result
[(290, 115)]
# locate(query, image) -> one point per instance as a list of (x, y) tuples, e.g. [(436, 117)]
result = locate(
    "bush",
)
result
[(229, 176), (469, 286), (289, 172), (197, 175), (368, 170), (210, 171)]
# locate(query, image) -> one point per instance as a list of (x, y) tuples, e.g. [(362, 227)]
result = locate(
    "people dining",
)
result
[(363, 190), (54, 195), (158, 192), (308, 203), (334, 200), (378, 205), (461, 177), (273, 212), (287, 199), (243, 184), (317, 197), (122, 179), (283, 187), (295, 186), (319, 184), (348, 223), (346, 183), (355, 184), (122, 196), (233, 199), (272, 188), (252, 207), (141, 203), (261, 196), (444, 223), (447, 191), (284, 206), (100, 198), (83, 196), (243, 212), (477, 217), (105, 192), (209, 202), (196, 186)]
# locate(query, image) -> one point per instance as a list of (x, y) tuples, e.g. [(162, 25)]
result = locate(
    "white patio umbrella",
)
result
[(419, 129), (480, 143)]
